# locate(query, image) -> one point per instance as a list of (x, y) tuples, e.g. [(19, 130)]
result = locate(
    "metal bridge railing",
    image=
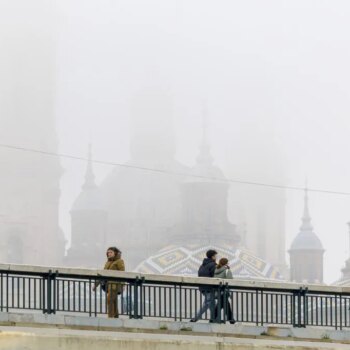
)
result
[(68, 291)]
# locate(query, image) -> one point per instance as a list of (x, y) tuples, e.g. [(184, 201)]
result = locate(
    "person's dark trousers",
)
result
[(208, 304), (224, 304)]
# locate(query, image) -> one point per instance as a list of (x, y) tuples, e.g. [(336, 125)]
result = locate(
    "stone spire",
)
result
[(306, 225), (306, 251), (306, 239), (88, 223), (89, 175)]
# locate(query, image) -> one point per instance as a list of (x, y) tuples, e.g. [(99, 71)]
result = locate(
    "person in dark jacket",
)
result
[(207, 269)]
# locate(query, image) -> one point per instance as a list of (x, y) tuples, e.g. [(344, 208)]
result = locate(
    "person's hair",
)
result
[(211, 253), (116, 251), (222, 262)]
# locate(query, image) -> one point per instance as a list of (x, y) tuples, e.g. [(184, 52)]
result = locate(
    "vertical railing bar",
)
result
[(58, 295), (29, 292), (35, 292), (24, 293), (262, 307), (90, 299), (7, 292), (79, 293), (257, 307), (247, 306), (95, 298), (84, 300), (17, 290), (2, 292), (180, 302), (175, 303), (68, 291), (74, 306), (42, 294), (159, 301), (345, 313), (251, 319)]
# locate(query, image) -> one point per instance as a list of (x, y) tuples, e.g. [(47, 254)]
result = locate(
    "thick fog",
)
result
[(270, 79)]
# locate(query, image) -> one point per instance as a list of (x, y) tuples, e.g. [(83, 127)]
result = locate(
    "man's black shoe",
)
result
[(233, 322), (193, 320)]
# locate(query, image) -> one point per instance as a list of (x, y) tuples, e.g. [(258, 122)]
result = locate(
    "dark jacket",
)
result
[(207, 268)]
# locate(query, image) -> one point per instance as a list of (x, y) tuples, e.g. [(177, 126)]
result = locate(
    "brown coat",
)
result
[(118, 265)]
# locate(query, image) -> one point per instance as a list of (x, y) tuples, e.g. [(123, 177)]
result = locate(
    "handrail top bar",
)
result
[(168, 279)]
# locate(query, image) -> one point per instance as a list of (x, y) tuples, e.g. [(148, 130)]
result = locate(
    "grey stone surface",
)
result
[(4, 317), (81, 321), (110, 323), (141, 324), (21, 318), (48, 319), (19, 338), (158, 325)]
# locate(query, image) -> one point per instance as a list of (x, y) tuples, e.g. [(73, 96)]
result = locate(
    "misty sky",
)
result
[(269, 72)]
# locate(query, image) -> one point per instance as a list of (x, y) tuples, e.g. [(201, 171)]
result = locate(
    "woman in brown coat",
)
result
[(114, 262)]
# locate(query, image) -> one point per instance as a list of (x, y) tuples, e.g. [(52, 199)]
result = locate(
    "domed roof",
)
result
[(306, 241), (208, 172), (186, 259)]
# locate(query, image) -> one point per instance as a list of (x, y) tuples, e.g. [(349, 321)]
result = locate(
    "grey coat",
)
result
[(223, 272)]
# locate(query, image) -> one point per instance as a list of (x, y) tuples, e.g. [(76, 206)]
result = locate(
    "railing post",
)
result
[(300, 310), (49, 293), (305, 307), (216, 310), (340, 312), (226, 296), (43, 295), (137, 303), (141, 282)]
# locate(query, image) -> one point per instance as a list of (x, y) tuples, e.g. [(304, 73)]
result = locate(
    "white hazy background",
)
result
[(270, 72)]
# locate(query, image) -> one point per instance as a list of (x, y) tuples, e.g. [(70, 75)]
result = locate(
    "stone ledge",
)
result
[(170, 327), (239, 283), (19, 338)]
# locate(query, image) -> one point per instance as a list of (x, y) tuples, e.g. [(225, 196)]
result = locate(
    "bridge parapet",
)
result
[(58, 290)]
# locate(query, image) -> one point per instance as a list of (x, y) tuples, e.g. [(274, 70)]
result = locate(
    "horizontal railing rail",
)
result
[(78, 291)]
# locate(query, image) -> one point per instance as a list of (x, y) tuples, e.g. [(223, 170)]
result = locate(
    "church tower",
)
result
[(204, 225), (144, 205), (29, 182), (204, 202), (306, 252), (88, 224)]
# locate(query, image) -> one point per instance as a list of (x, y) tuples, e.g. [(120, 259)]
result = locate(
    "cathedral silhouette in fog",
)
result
[(164, 221)]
